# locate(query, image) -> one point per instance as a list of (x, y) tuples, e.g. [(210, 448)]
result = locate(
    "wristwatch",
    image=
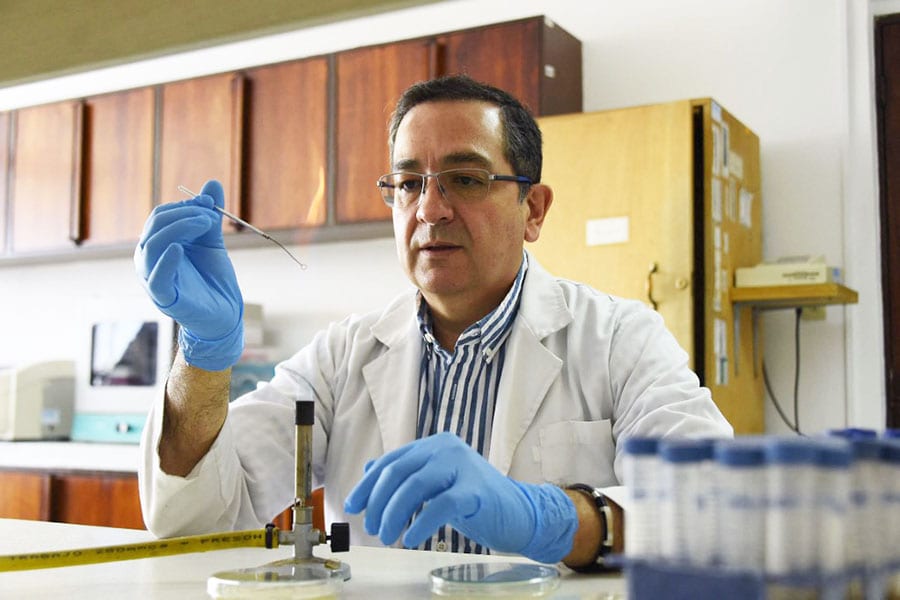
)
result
[(606, 539)]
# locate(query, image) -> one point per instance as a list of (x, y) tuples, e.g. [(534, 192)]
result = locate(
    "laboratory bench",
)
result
[(71, 482), (375, 572), (84, 456)]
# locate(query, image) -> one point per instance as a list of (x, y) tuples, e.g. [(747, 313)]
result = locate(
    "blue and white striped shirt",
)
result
[(458, 390)]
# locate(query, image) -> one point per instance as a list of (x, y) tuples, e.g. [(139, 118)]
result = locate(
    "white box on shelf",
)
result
[(795, 271)]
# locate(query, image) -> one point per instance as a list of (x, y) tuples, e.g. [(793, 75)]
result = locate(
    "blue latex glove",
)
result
[(457, 486), (182, 262)]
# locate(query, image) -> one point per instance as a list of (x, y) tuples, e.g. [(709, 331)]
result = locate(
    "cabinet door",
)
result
[(118, 165), (286, 140), (732, 217), (4, 177), (105, 499), (200, 139), (24, 495), (369, 81), (623, 201), (532, 59), (46, 178)]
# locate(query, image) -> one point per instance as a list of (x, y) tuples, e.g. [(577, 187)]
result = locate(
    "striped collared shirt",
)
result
[(458, 390)]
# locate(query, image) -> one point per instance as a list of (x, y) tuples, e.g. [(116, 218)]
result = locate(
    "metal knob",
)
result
[(340, 537)]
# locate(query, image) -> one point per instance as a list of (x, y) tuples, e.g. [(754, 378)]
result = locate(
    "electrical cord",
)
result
[(795, 426)]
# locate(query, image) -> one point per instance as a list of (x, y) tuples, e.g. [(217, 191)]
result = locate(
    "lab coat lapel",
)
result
[(392, 378), (530, 368)]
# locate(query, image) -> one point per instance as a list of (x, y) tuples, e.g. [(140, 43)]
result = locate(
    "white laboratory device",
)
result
[(37, 400)]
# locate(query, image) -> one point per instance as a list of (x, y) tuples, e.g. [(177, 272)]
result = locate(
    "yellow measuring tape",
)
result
[(264, 538)]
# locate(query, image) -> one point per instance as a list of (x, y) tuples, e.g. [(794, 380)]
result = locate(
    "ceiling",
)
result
[(40, 39)]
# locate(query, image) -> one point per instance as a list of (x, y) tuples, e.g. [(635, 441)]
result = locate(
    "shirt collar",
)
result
[(491, 330)]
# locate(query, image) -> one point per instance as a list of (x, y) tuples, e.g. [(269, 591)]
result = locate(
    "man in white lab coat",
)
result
[(480, 398)]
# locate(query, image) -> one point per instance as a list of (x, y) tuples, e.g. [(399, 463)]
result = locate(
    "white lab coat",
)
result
[(583, 369)]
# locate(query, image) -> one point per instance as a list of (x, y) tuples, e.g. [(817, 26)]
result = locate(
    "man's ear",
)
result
[(539, 199)]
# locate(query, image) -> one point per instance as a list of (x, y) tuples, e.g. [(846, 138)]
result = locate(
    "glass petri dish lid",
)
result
[(494, 580), (286, 579)]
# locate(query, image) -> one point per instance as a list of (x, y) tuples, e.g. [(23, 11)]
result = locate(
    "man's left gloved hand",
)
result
[(453, 484)]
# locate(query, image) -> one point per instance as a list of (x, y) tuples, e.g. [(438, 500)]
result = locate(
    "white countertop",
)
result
[(86, 456), (375, 572)]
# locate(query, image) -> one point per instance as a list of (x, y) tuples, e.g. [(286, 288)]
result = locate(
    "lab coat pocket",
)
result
[(578, 452)]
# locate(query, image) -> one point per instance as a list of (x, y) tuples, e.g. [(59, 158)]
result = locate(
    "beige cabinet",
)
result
[(661, 203)]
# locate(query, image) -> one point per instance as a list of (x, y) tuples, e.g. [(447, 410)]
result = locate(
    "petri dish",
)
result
[(494, 580), (285, 579)]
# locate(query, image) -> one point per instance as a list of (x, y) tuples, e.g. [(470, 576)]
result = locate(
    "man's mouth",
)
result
[(437, 247)]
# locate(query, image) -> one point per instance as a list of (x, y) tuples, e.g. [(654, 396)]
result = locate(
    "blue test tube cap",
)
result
[(890, 451), (891, 434), (854, 433), (866, 448), (833, 453), (740, 452), (790, 451), (642, 446), (684, 450)]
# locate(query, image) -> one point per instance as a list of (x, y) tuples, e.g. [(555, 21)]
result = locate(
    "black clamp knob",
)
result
[(340, 537)]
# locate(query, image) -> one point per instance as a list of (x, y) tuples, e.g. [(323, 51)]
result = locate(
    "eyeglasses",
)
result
[(456, 185)]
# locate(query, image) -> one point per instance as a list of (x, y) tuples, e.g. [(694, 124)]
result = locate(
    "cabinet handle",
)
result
[(653, 269), (238, 93), (437, 50), (76, 197)]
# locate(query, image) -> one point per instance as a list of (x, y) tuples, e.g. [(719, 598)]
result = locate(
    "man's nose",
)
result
[(433, 204), (432, 182)]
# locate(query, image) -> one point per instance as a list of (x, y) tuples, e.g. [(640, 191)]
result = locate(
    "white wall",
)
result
[(797, 72)]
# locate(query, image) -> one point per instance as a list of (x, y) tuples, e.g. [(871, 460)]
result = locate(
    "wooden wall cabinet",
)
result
[(295, 145), (368, 83), (532, 59), (201, 129), (85, 498), (286, 145), (46, 178), (118, 165)]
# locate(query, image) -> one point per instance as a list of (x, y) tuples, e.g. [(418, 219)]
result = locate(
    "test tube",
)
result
[(864, 536), (741, 485), (891, 463), (833, 459), (686, 522), (640, 474), (790, 518)]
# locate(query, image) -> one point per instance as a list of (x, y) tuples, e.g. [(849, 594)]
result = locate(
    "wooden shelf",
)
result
[(791, 296)]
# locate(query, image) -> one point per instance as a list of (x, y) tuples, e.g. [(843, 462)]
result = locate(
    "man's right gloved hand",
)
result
[(182, 262)]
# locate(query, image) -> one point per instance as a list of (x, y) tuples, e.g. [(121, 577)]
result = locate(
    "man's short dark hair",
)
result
[(522, 137)]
